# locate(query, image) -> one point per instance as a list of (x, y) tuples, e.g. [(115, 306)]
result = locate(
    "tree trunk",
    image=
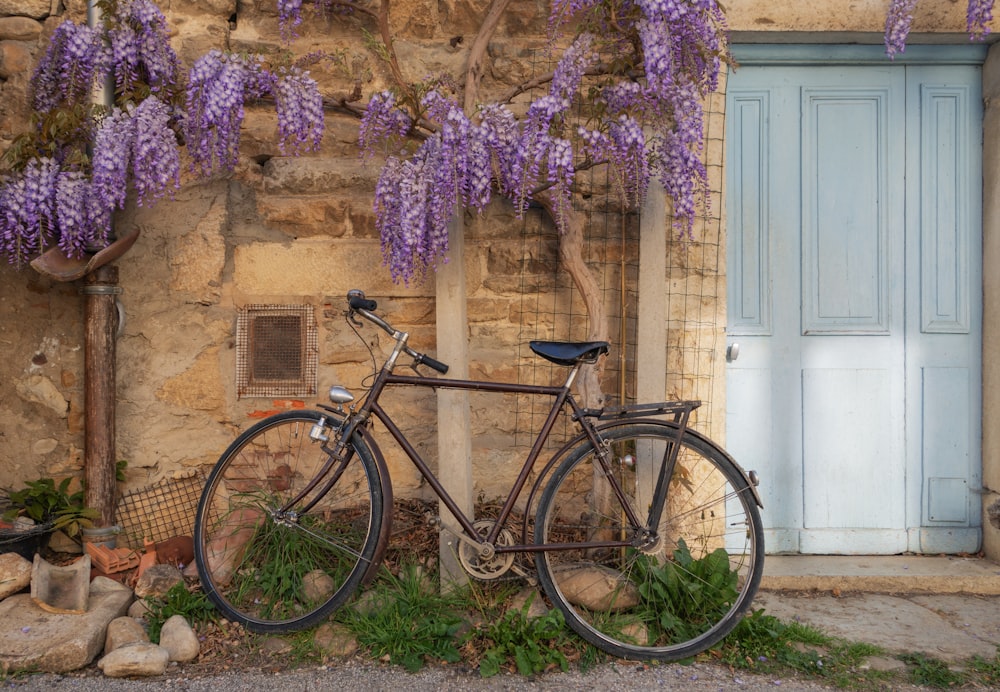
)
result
[(571, 255)]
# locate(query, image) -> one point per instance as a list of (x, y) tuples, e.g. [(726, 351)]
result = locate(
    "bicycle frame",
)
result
[(562, 397)]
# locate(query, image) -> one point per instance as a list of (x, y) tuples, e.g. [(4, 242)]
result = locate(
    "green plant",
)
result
[(684, 593), (407, 621), (44, 501), (931, 672), (533, 643), (763, 644), (178, 600), (984, 672)]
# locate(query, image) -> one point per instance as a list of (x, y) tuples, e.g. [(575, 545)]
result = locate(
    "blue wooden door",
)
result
[(853, 235)]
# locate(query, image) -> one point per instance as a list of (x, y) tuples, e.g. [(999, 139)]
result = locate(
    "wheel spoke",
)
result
[(670, 599), (271, 570)]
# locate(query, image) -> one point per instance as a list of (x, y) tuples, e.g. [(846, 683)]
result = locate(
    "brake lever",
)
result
[(349, 314)]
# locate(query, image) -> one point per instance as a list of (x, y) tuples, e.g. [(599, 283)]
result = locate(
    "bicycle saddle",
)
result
[(570, 352)]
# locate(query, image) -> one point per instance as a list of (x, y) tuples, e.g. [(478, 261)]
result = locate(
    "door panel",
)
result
[(852, 218)]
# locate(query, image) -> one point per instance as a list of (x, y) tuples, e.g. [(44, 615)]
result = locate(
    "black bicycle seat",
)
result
[(570, 352)]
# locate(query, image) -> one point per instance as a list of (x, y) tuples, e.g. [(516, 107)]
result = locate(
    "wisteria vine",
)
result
[(645, 127), (64, 182), (978, 16)]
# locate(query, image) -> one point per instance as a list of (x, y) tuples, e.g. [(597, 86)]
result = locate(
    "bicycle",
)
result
[(645, 534)]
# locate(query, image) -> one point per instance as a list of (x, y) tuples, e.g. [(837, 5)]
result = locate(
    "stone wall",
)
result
[(286, 231)]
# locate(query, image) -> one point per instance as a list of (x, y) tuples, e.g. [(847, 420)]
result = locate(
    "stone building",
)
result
[(842, 253)]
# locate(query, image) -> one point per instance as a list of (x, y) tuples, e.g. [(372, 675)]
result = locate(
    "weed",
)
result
[(682, 596), (764, 644), (533, 643), (193, 605), (931, 672), (408, 621), (984, 672)]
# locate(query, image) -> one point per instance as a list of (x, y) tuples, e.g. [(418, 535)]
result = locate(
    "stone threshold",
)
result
[(882, 574)]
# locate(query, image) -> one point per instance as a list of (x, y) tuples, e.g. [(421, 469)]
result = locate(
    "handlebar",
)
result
[(359, 305)]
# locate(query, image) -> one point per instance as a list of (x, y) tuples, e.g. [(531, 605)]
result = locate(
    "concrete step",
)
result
[(882, 574)]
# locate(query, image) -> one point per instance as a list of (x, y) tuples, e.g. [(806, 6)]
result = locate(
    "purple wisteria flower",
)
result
[(978, 18), (219, 84), (67, 71), (300, 112), (381, 121), (897, 25), (650, 122), (140, 47)]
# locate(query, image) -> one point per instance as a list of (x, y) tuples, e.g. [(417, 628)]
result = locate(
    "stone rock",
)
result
[(366, 603), (40, 390), (36, 9), (59, 542), (180, 641), (32, 639), (140, 659), (14, 59), (124, 631), (317, 586), (19, 29), (537, 608), (335, 639), (15, 574), (276, 646), (598, 588), (158, 580), (138, 610)]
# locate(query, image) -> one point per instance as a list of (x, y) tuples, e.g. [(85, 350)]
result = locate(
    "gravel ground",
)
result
[(356, 675)]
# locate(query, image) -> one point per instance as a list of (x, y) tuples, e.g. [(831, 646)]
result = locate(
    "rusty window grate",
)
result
[(277, 351)]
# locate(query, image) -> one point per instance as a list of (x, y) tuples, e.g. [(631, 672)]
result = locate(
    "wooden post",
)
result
[(454, 440), (651, 349), (100, 320)]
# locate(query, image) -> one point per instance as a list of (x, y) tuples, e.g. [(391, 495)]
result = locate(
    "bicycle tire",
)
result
[(279, 574), (666, 602)]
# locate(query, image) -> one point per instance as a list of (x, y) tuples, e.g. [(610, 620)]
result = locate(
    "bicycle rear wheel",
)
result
[(277, 571), (677, 594)]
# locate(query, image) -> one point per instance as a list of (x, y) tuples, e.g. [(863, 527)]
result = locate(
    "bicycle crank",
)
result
[(481, 559)]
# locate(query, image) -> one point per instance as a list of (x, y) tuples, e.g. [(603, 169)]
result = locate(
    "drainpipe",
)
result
[(101, 323), (100, 319)]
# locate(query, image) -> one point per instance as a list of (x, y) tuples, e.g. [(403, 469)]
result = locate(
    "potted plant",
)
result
[(49, 507)]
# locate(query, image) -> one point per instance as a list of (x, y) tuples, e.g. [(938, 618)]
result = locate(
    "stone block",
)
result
[(14, 58), (139, 660), (124, 631), (36, 9), (15, 574), (61, 588), (157, 580), (19, 29), (180, 641), (32, 639)]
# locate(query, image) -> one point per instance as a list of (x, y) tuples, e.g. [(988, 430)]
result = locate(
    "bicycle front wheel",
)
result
[(680, 586), (277, 569)]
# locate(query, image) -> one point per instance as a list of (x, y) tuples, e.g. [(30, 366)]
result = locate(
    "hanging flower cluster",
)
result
[(459, 163), (680, 47), (218, 86), (80, 162), (897, 23), (72, 172)]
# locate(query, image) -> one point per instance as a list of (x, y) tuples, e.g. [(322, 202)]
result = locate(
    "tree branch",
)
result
[(477, 53)]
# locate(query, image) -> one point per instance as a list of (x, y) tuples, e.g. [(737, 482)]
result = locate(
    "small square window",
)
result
[(276, 351)]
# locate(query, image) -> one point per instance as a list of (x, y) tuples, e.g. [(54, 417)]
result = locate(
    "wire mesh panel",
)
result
[(552, 307), (160, 511), (277, 352)]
